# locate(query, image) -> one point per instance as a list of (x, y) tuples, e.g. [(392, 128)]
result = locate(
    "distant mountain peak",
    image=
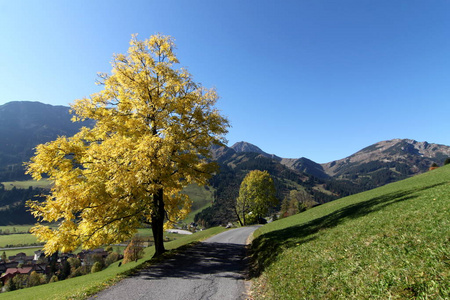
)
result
[(248, 147), (393, 154)]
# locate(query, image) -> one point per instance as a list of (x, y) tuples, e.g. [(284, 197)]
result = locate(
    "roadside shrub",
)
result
[(54, 278), (96, 267), (111, 258), (134, 250), (83, 270), (91, 259), (74, 262)]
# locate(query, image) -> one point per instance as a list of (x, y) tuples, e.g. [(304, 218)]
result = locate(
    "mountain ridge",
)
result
[(23, 125), (387, 151), (26, 124)]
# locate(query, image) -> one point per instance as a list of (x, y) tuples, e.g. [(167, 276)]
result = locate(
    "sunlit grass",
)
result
[(387, 243), (17, 239), (15, 228), (202, 198), (43, 183)]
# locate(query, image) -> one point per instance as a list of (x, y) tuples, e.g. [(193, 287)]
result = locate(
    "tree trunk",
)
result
[(237, 214), (158, 222)]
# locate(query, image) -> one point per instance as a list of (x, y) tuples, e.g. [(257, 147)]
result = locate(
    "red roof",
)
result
[(25, 270)]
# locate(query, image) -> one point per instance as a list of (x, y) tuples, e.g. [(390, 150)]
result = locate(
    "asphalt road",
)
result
[(214, 269)]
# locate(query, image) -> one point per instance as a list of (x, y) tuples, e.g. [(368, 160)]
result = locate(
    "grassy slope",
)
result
[(84, 286), (16, 239), (18, 228), (388, 243), (43, 183), (201, 198)]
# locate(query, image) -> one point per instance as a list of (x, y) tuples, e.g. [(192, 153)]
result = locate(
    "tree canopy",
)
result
[(153, 129), (256, 196)]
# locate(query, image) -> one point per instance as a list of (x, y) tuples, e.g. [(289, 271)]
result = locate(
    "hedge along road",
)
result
[(213, 269)]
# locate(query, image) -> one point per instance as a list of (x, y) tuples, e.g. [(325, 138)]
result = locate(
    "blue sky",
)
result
[(316, 79)]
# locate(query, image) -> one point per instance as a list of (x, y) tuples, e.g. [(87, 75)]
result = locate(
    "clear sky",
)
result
[(304, 78)]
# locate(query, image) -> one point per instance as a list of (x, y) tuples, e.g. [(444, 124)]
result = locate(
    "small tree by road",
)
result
[(256, 196)]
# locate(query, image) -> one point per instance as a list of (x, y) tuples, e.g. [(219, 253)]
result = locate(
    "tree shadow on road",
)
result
[(200, 261), (267, 247)]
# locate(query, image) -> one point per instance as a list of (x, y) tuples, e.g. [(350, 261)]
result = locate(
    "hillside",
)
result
[(390, 242), (233, 168), (23, 125), (402, 157), (378, 164)]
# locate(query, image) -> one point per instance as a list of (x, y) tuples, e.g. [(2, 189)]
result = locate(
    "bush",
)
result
[(74, 262), (53, 279), (10, 285), (35, 279), (65, 270), (134, 250), (447, 161), (83, 270), (97, 267), (17, 282), (91, 259), (111, 258)]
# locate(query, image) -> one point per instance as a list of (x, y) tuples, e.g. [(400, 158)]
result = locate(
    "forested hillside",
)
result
[(12, 205), (23, 125)]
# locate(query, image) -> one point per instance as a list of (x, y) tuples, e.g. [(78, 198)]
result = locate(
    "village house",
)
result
[(21, 258), (38, 263), (6, 265), (11, 272), (84, 253)]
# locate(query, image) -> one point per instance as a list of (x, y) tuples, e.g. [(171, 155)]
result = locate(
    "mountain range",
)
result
[(376, 165), (23, 125), (402, 157)]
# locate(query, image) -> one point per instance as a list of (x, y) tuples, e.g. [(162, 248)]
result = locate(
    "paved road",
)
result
[(214, 269)]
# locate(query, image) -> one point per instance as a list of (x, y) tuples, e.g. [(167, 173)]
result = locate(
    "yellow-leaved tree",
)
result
[(256, 196), (153, 129)]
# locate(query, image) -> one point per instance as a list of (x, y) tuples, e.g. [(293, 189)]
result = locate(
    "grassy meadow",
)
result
[(84, 286), (392, 242), (43, 183), (28, 251), (201, 197), (22, 239), (16, 228)]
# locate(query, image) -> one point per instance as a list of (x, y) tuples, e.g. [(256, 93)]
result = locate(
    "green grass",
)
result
[(201, 198), (16, 228), (43, 183), (17, 239), (28, 251), (392, 242), (84, 286)]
